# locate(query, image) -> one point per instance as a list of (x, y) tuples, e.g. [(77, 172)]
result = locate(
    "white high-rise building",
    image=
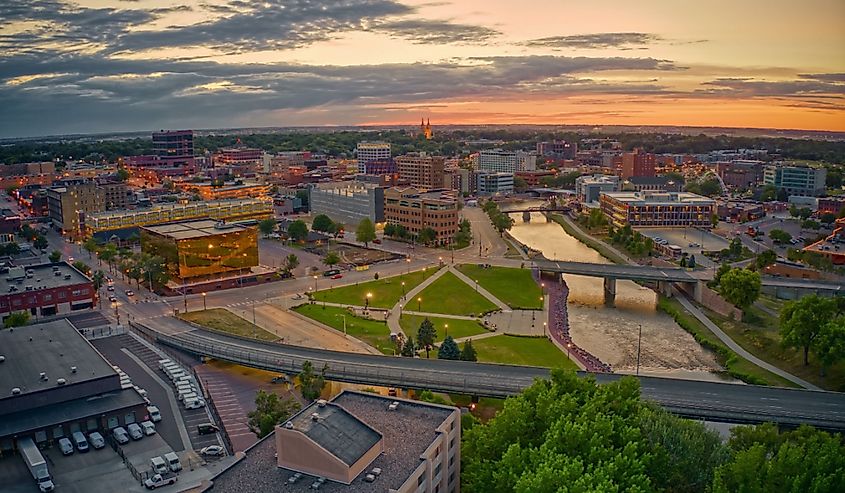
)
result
[(501, 161), (371, 151)]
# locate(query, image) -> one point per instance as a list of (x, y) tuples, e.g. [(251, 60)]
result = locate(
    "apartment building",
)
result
[(70, 201), (357, 442), (421, 171), (740, 173), (501, 161), (238, 155), (657, 209), (796, 180), (415, 210), (348, 202)]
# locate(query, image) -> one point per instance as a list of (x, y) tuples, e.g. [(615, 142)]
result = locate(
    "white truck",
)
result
[(158, 480), (36, 464)]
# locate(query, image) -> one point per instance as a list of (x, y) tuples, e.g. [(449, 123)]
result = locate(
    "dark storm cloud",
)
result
[(825, 77), (436, 32), (749, 87), (596, 40)]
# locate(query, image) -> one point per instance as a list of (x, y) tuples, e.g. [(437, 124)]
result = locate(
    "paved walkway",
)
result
[(439, 315), (396, 311), (737, 348), (487, 294), (479, 336)]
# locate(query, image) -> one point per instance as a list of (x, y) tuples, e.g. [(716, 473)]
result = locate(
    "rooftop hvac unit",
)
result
[(42, 376), (288, 425), (393, 406), (315, 416), (16, 391), (321, 403), (61, 381), (2, 358), (73, 369)]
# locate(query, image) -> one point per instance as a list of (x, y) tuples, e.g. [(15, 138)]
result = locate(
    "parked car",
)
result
[(155, 414), (331, 272), (65, 446), (120, 435), (377, 241), (135, 431), (148, 428), (213, 450), (337, 276), (173, 461), (206, 428), (194, 404), (158, 465), (96, 440), (80, 441)]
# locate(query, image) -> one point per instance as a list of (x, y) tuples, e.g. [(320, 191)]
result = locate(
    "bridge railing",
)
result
[(353, 373)]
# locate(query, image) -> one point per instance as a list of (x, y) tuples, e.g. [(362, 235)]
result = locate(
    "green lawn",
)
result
[(373, 332), (385, 292), (515, 287), (512, 350), (223, 320), (762, 339), (450, 295), (457, 328)]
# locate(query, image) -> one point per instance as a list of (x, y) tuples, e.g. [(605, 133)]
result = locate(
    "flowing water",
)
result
[(611, 332)]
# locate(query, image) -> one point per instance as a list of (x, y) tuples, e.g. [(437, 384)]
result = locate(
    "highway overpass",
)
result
[(693, 399)]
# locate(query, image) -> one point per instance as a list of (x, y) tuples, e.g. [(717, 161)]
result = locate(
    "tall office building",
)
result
[(421, 171), (506, 161), (637, 163), (371, 151), (173, 143), (559, 149), (796, 180)]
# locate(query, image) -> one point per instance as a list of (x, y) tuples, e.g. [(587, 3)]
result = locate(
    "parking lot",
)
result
[(684, 237)]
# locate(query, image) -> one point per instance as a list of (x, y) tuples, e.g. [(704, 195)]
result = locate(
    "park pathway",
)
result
[(395, 312), (736, 347), (487, 294)]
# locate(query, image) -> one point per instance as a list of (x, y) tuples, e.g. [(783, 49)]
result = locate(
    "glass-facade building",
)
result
[(198, 249)]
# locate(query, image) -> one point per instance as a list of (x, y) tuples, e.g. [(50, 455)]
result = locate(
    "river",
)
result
[(610, 332)]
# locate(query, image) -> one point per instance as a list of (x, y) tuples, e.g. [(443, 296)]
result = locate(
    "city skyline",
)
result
[(94, 65)]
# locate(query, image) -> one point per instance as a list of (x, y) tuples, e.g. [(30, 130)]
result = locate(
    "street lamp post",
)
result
[(367, 301), (447, 330), (403, 290), (476, 285), (204, 306), (544, 330), (419, 304), (639, 340), (315, 284), (569, 350), (344, 323)]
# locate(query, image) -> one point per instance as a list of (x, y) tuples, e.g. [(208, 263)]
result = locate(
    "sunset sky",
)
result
[(111, 65)]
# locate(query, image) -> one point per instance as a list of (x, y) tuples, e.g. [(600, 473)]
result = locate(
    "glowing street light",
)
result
[(419, 304), (204, 307), (367, 301), (403, 290), (447, 330)]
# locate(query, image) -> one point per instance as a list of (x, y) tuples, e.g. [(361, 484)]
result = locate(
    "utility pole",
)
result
[(639, 340)]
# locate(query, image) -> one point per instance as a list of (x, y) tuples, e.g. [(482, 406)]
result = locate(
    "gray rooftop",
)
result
[(51, 347), (42, 276), (75, 410), (408, 431), (194, 229), (339, 432)]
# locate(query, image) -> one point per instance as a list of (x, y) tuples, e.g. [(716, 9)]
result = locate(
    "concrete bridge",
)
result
[(689, 398), (664, 276)]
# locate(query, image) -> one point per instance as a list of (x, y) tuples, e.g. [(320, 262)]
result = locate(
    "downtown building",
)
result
[(70, 201), (493, 183), (173, 155), (348, 202), (421, 171), (740, 173), (416, 210), (796, 180), (588, 188), (500, 161), (371, 151), (557, 149), (358, 442), (637, 163), (658, 210)]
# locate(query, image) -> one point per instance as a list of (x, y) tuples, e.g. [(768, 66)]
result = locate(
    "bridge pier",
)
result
[(698, 291), (526, 216), (609, 291), (665, 288)]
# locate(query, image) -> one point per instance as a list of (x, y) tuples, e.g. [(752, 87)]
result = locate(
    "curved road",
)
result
[(694, 399)]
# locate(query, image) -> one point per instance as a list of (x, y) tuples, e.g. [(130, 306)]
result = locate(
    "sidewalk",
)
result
[(395, 312), (736, 347)]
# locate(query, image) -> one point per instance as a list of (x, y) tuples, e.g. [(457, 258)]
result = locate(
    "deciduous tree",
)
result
[(802, 320), (740, 287), (267, 226), (298, 230), (270, 410), (366, 231), (312, 383), (322, 223)]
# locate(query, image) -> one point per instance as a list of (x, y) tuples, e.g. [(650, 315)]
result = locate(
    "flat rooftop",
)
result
[(194, 229), (51, 347), (663, 198), (339, 432), (408, 432), (41, 276)]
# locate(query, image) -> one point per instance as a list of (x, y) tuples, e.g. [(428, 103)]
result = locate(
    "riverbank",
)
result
[(584, 237)]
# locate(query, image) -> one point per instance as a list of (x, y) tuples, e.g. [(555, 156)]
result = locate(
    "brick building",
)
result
[(45, 289), (416, 210)]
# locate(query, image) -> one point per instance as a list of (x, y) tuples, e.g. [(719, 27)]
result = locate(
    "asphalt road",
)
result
[(703, 400)]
